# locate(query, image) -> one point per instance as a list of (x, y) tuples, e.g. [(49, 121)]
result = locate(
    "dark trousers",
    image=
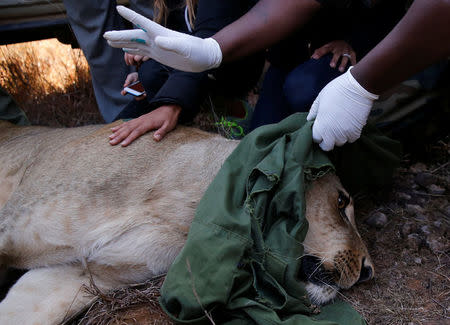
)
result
[(232, 79), (284, 93)]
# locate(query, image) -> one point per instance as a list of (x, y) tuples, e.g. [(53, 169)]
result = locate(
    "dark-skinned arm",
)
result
[(343, 106), (266, 23), (419, 39)]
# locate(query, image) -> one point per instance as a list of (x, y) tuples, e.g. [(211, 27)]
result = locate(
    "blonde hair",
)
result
[(162, 11)]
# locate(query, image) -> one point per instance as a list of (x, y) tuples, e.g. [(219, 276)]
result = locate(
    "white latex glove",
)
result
[(177, 50), (340, 111)]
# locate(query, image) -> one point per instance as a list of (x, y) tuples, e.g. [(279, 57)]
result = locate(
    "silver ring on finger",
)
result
[(347, 55)]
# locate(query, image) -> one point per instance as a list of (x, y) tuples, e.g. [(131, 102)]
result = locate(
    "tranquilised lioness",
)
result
[(72, 206)]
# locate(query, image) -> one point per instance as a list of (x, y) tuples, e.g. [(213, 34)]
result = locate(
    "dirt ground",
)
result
[(407, 232)]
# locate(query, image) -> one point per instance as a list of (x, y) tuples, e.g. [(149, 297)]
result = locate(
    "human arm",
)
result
[(183, 90), (417, 41), (343, 106), (193, 54), (188, 89), (266, 23)]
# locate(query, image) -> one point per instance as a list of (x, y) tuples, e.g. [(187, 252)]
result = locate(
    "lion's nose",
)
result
[(366, 271)]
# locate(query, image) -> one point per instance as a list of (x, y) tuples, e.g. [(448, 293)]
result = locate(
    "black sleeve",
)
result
[(185, 89), (213, 15), (188, 89)]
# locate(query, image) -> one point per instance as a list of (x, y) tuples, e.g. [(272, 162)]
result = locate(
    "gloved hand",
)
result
[(340, 111), (177, 50)]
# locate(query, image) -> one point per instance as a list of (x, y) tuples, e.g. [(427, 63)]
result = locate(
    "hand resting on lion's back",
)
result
[(70, 202)]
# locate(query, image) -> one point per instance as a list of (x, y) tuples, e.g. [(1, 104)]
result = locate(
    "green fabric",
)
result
[(242, 254), (9, 111)]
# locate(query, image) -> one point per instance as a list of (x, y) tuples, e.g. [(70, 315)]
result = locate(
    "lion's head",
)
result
[(335, 255)]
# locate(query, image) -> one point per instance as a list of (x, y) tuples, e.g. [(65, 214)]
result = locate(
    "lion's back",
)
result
[(72, 188)]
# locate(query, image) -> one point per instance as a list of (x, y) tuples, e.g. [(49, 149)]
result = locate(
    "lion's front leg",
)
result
[(45, 296)]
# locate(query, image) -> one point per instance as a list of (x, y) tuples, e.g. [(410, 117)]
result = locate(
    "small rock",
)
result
[(439, 228), (418, 260), (435, 189), (437, 224), (421, 217), (418, 167), (407, 228), (435, 243), (421, 200), (447, 210), (403, 196), (413, 241), (426, 230), (414, 209), (425, 179), (377, 219)]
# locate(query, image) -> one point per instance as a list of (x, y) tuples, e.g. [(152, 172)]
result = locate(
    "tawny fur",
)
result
[(71, 204)]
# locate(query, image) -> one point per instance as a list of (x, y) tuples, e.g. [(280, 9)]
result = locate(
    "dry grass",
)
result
[(50, 82), (136, 304)]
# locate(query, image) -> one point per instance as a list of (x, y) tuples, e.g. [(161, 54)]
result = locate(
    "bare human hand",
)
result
[(134, 59), (132, 77), (163, 119), (339, 49)]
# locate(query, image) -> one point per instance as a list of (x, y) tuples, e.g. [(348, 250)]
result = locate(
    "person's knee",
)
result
[(304, 83), (300, 92)]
